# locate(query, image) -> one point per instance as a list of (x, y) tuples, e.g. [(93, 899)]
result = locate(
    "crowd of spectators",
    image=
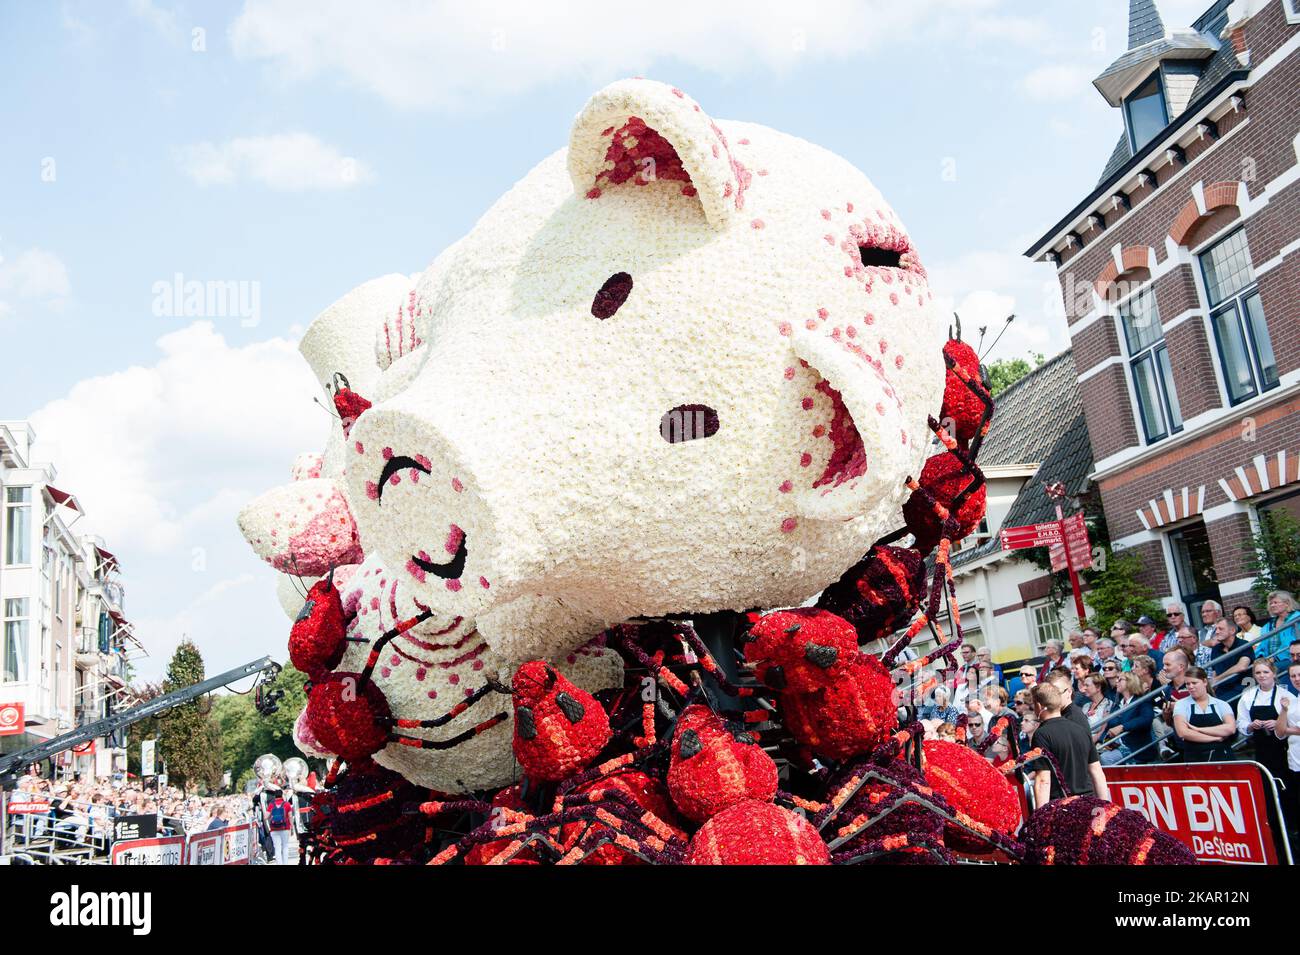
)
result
[(1141, 693), (82, 813)]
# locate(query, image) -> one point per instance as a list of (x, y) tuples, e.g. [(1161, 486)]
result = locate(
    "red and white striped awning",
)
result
[(1262, 474), (1172, 506)]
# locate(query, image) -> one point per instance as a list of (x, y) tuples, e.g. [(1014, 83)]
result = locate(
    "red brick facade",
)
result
[(1233, 165)]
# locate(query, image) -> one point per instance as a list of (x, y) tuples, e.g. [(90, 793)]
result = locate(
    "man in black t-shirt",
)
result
[(1060, 678), (1224, 641), (1071, 747)]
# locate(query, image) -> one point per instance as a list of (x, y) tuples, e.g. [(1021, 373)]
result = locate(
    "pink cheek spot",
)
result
[(388, 453), (898, 361), (453, 679), (453, 586), (788, 525), (415, 476), (421, 673), (593, 192), (374, 603), (478, 664), (884, 346), (823, 314), (743, 142), (904, 433), (826, 214), (893, 298), (830, 239), (805, 459), (394, 660), (454, 537), (395, 480), (851, 332), (372, 490), (869, 318), (424, 462), (762, 172), (786, 487), (456, 485), (848, 207), (789, 374), (818, 431), (360, 449), (414, 571), (483, 582), (715, 150), (756, 224), (785, 329), (432, 694), (807, 404), (880, 408), (811, 324), (384, 671)]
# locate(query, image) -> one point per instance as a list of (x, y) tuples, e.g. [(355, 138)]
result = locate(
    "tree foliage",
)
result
[(1273, 554), (246, 734), (189, 741), (1005, 372), (1117, 592)]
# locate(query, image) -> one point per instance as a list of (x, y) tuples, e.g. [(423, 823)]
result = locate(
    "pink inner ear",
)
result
[(641, 155), (848, 458)]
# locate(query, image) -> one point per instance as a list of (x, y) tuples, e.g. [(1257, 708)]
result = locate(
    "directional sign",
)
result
[(1076, 538), (1031, 535)]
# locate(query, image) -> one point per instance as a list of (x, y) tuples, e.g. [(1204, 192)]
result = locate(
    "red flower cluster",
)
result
[(972, 786), (559, 728), (316, 638), (711, 769), (962, 406), (837, 701), (757, 833), (349, 716), (943, 477)]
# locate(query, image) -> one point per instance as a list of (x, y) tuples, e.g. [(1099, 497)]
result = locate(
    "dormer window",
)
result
[(1145, 112)]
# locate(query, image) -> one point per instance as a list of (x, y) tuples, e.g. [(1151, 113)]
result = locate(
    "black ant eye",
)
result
[(612, 295), (882, 258)]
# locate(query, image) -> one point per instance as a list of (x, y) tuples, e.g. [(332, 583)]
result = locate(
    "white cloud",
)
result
[(164, 21), (985, 286), (35, 275), (1057, 82), (451, 55), (291, 162), (162, 457)]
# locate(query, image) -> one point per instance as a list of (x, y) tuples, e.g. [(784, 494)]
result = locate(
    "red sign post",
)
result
[(1219, 810), (1067, 540)]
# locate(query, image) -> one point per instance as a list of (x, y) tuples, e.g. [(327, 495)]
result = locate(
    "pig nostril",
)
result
[(391, 467), (687, 423), (612, 295)]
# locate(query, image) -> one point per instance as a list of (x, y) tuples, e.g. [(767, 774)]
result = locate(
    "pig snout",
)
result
[(423, 510)]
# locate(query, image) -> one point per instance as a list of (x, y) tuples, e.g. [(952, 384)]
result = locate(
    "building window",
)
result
[(15, 640), (1237, 314), (1047, 623), (18, 522), (1194, 566), (1153, 378), (1145, 113)]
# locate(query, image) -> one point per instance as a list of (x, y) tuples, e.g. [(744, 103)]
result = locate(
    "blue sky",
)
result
[(304, 148)]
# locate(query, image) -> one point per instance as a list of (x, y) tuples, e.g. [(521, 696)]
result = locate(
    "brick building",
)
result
[(1180, 272)]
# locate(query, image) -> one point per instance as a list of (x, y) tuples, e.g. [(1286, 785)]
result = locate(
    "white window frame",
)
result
[(1040, 639), (1131, 359)]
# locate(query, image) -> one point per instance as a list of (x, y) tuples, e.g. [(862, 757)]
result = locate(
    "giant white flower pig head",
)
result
[(683, 366)]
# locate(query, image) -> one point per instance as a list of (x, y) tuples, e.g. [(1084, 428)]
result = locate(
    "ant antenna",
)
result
[(328, 410), (1005, 325)]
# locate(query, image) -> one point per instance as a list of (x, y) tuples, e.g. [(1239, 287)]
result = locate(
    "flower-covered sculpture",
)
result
[(683, 366)]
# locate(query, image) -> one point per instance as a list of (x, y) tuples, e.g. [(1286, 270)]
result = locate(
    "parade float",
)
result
[(619, 488)]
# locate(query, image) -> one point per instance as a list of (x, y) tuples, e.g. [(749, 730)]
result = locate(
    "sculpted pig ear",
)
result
[(866, 444), (636, 131)]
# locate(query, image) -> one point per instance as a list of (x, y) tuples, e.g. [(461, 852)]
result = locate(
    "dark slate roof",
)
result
[(1038, 420), (1144, 23)]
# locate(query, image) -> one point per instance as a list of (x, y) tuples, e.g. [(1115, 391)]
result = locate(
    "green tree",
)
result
[(1273, 554), (189, 741), (1116, 592), (1005, 372), (246, 734)]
